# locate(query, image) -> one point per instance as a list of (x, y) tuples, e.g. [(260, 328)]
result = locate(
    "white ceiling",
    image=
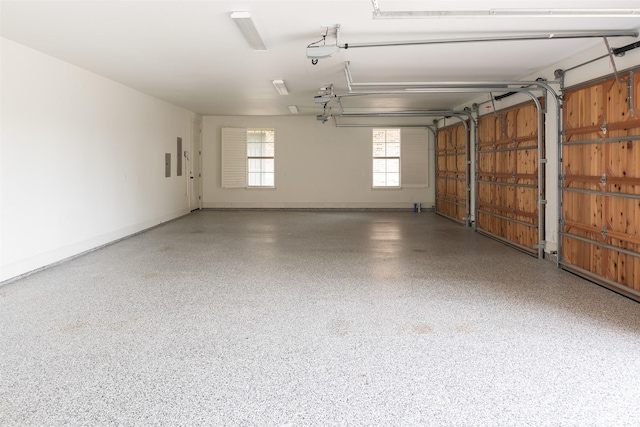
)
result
[(191, 54)]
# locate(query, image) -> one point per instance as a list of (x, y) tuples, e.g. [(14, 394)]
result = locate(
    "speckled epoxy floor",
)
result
[(267, 318)]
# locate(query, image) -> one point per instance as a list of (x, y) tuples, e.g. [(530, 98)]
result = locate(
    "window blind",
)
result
[(414, 158), (234, 157)]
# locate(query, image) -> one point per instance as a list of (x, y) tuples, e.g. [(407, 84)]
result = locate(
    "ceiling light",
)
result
[(293, 109), (248, 29), (280, 87)]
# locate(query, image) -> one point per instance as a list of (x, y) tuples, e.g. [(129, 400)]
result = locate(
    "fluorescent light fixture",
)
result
[(248, 29), (280, 87), (293, 109)]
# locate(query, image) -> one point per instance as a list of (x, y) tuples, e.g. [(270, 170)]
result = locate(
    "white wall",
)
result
[(317, 166), (82, 160), (582, 74)]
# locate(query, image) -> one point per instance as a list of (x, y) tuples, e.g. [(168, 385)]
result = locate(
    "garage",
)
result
[(319, 213)]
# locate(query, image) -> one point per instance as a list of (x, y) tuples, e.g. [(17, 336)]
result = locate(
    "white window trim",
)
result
[(262, 187), (235, 160), (399, 157)]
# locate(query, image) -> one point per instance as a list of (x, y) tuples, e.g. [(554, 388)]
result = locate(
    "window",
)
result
[(386, 157), (248, 158), (260, 157)]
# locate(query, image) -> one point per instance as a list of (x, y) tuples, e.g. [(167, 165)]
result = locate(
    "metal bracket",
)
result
[(561, 99), (541, 245), (603, 232), (544, 161), (493, 104), (545, 109), (613, 62), (603, 127), (603, 179), (543, 202), (561, 178), (630, 99)]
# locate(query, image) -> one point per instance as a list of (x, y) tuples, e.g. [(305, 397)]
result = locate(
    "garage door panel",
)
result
[(582, 209), (617, 107), (510, 124), (441, 141), (623, 166), (484, 194), (507, 186), (451, 174), (622, 216), (527, 122), (622, 268), (527, 161), (488, 130), (526, 235), (485, 163), (505, 162), (582, 160), (458, 137), (582, 254), (584, 111), (600, 211), (526, 204)]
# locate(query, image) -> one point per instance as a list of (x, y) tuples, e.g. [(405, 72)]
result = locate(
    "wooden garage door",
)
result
[(600, 213), (452, 172), (507, 177)]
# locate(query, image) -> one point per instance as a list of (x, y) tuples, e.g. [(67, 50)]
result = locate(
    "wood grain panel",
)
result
[(507, 166), (601, 181), (452, 170)]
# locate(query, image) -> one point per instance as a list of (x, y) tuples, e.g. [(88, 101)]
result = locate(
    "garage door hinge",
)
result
[(603, 232), (561, 178), (541, 245), (603, 179), (542, 201), (603, 127), (543, 161)]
